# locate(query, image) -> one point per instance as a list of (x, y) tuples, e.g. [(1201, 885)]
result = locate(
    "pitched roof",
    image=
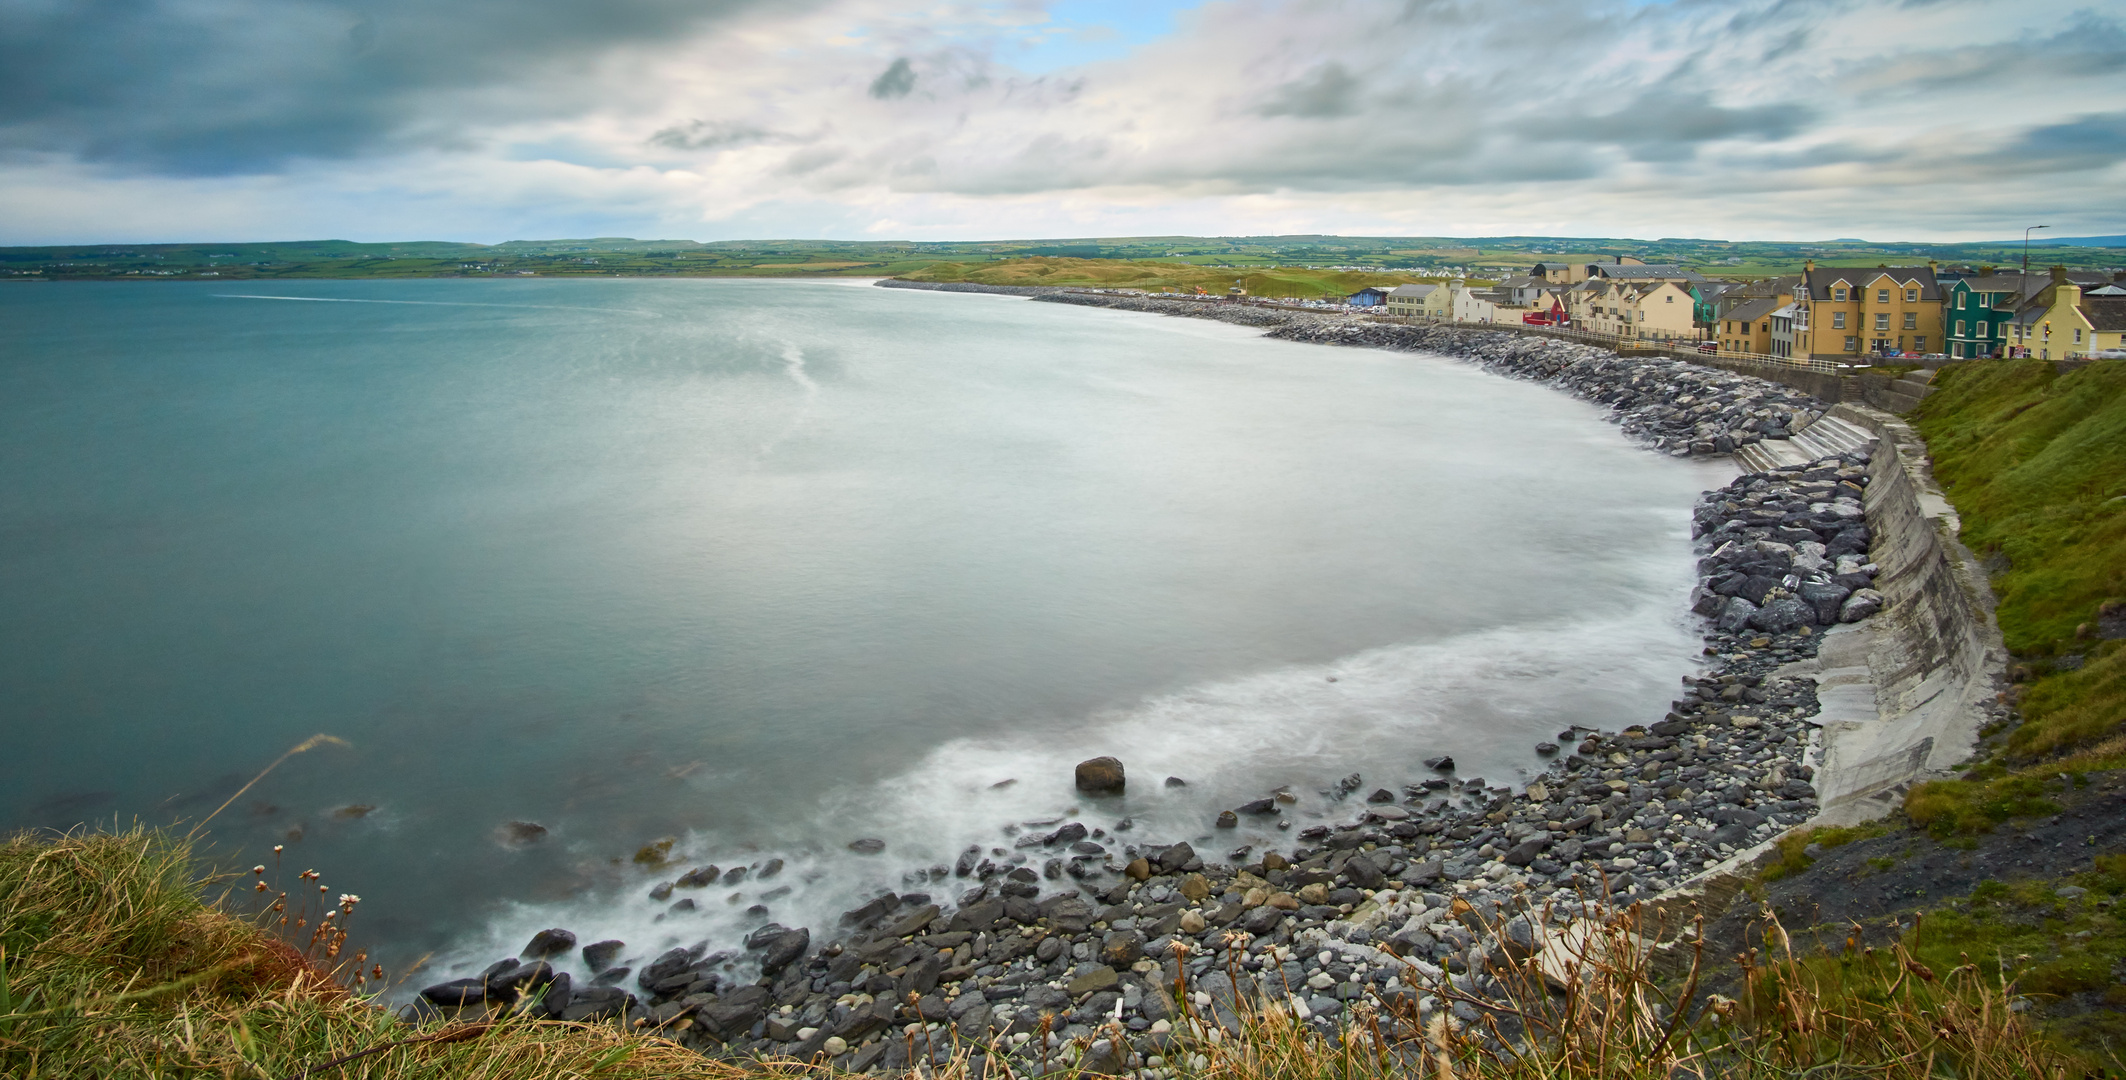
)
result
[(1412, 290), (2105, 313), (1754, 309), (1819, 280), (2001, 283)]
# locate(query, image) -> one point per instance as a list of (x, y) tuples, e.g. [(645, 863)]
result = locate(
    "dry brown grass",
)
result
[(112, 964)]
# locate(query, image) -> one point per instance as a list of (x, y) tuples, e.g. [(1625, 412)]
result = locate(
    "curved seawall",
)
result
[(1905, 694)]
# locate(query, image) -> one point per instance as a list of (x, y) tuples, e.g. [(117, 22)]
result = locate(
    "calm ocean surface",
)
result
[(767, 567)]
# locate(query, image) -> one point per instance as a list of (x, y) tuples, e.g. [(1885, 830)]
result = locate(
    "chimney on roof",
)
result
[(1808, 266), (1933, 266), (2059, 275)]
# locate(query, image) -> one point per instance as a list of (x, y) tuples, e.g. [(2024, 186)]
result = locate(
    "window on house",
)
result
[(1960, 298), (1852, 344), (1911, 296), (1959, 328), (1882, 321), (1978, 329), (1882, 296), (1838, 320), (1670, 299), (1911, 320), (2077, 335), (1919, 343), (1956, 349)]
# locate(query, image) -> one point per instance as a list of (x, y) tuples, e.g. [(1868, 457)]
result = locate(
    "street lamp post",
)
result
[(2026, 259)]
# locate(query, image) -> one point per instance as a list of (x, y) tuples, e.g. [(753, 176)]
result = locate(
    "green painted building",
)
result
[(1974, 311)]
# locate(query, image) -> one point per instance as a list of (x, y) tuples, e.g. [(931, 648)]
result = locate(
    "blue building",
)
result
[(1370, 296)]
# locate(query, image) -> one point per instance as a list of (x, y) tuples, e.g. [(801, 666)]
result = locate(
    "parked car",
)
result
[(1709, 347)]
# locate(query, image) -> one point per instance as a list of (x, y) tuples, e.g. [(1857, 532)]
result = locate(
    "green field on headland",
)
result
[(1377, 259)]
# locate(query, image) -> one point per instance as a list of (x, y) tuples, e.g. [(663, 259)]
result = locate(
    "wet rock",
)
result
[(1175, 781), (869, 845), (1381, 795), (1440, 764), (1228, 819), (547, 943), (1176, 858), (1259, 806), (699, 877), (1100, 776), (599, 955)]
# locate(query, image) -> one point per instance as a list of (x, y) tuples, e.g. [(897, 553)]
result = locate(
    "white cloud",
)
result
[(1774, 118)]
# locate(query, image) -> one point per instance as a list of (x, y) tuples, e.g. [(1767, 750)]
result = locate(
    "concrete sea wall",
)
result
[(1904, 694)]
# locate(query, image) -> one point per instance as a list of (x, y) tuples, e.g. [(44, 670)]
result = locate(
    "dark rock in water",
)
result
[(596, 1003), (662, 969), (869, 845), (786, 948), (556, 995), (1002, 784), (1381, 795), (1100, 776), (734, 875), (520, 833), (1083, 847), (758, 911), (863, 914), (526, 978), (611, 976), (1259, 806), (460, 992), (1228, 819), (686, 904), (1349, 784), (1440, 764), (761, 938), (1175, 781), (773, 867), (1546, 748), (600, 955), (661, 891), (699, 877), (969, 859), (1070, 833), (549, 943)]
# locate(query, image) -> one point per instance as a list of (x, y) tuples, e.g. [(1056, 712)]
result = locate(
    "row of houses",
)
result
[(1850, 312), (1829, 313)]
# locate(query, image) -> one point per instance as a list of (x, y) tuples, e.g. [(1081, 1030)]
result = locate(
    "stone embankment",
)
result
[(1063, 941)]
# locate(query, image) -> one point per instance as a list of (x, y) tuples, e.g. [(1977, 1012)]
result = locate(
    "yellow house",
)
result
[(1850, 312), (1659, 310), (1421, 301), (2060, 323)]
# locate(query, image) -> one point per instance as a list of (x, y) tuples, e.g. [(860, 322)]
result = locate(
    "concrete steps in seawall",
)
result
[(1827, 436), (1909, 390)]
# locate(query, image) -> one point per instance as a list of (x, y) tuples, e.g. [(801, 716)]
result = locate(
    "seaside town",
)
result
[(1854, 315)]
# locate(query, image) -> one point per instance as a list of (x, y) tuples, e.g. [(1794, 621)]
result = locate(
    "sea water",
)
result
[(763, 568)]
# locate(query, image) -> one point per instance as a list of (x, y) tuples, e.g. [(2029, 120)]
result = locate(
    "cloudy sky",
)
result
[(487, 120)]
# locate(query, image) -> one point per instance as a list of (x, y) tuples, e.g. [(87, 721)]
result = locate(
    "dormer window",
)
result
[(1838, 294), (1882, 296), (1911, 296)]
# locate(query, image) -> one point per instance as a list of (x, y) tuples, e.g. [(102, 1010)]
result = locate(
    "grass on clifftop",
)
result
[(1283, 281), (2035, 463), (114, 964)]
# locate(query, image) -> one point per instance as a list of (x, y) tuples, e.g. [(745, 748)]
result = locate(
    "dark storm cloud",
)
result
[(209, 87), (895, 82)]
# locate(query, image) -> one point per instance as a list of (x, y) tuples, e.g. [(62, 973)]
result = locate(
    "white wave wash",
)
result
[(1483, 697)]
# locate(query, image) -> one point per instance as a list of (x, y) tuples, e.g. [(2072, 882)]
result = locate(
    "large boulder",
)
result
[(1783, 614), (1736, 616), (1100, 776), (547, 943)]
